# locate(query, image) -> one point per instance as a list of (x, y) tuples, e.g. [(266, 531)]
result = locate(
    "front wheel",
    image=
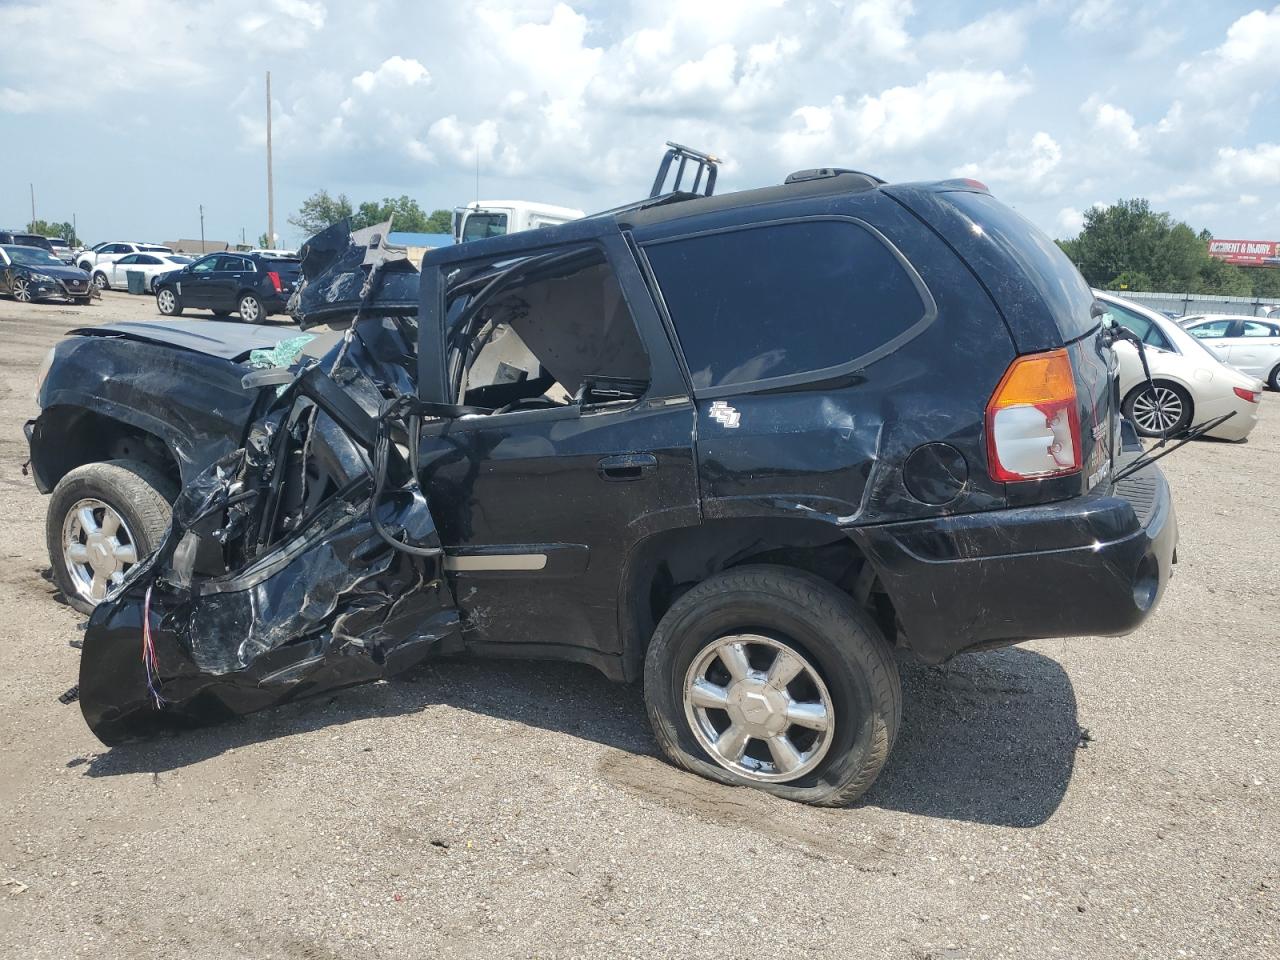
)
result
[(772, 678), (167, 302), (100, 280), (251, 309), (1273, 381), (104, 518), (1164, 410), (22, 291)]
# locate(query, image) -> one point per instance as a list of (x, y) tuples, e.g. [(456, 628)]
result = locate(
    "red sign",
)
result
[(1247, 253)]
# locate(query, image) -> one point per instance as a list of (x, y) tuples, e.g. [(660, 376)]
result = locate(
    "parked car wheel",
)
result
[(770, 677), (251, 309), (167, 302), (155, 283), (103, 518), (22, 290), (1166, 412), (1273, 381), (100, 280)]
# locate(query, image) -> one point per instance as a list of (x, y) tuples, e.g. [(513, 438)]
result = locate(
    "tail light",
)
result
[(1033, 421), (1250, 395), (275, 280)]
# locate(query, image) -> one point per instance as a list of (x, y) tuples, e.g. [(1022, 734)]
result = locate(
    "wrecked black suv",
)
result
[(740, 446)]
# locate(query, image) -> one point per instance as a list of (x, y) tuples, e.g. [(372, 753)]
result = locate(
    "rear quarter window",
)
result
[(785, 300)]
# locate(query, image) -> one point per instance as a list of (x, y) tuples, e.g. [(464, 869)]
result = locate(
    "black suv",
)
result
[(22, 239), (251, 284), (740, 446)]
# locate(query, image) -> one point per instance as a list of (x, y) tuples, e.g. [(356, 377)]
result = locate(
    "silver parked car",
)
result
[(1251, 344)]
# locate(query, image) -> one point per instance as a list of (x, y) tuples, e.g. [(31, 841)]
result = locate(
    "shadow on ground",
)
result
[(989, 738)]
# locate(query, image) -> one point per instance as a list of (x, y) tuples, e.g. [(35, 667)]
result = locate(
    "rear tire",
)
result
[(167, 302), (1170, 408), (138, 496), (847, 668), (1273, 381), (251, 310)]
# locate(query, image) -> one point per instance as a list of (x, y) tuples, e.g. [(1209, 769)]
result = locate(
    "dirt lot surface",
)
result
[(1076, 798)]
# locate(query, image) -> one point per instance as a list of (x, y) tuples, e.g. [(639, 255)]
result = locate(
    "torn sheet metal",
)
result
[(345, 273), (305, 561)]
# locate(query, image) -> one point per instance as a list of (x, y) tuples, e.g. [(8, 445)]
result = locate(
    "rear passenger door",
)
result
[(1255, 347), (777, 322)]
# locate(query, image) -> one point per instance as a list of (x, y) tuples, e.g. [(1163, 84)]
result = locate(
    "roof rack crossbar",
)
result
[(705, 162)]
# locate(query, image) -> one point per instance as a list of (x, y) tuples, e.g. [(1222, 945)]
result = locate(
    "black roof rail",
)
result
[(822, 173), (706, 163)]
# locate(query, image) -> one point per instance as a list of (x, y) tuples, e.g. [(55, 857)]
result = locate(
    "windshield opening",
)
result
[(33, 256)]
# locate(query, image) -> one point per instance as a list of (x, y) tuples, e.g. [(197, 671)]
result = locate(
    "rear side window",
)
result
[(783, 300)]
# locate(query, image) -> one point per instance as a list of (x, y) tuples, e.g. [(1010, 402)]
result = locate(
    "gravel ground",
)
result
[(1078, 798)]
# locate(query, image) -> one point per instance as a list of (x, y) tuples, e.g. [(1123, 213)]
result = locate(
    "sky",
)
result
[(131, 114)]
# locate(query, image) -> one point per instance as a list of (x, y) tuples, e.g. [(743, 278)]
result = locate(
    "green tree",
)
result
[(440, 221), (1130, 237), (264, 242), (321, 210), (47, 228), (1266, 282), (403, 211), (1218, 276), (1131, 280)]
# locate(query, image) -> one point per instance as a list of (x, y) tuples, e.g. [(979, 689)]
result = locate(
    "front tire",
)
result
[(770, 677), (1167, 412), (167, 302), (103, 518), (1273, 381), (100, 280), (251, 310), (22, 290)]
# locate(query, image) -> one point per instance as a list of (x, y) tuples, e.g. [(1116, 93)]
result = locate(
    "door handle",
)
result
[(627, 466)]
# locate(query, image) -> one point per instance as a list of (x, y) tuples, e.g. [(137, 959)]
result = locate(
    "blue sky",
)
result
[(132, 113)]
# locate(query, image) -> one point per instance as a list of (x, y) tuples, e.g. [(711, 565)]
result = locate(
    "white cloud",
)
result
[(999, 36), (1114, 126), (1245, 60), (1094, 15), (1021, 168), (393, 72), (877, 29), (1259, 165), (905, 117)]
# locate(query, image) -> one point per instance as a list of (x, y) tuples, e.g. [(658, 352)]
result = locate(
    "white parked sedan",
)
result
[(112, 250), (153, 265), (1251, 344), (1191, 384)]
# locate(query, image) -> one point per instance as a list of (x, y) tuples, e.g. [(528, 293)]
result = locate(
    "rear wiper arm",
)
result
[(1160, 450)]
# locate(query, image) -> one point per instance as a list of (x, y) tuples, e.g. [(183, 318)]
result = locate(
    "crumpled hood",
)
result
[(214, 338)]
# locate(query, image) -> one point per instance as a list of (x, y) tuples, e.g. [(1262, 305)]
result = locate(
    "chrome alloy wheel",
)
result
[(759, 708), (167, 301), (22, 290), (249, 310), (1157, 410), (97, 548)]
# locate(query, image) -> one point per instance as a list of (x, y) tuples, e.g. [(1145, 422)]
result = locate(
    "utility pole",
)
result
[(271, 200), (202, 249), (75, 231), (477, 171), (33, 205)]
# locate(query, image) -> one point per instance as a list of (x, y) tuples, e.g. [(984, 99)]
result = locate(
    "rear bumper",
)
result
[(1239, 426), (1089, 566)]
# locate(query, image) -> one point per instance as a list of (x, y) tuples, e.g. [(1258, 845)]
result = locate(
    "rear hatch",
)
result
[(288, 269), (1043, 299)]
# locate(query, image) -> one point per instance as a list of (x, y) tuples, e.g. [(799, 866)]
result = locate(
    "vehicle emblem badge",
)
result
[(725, 415)]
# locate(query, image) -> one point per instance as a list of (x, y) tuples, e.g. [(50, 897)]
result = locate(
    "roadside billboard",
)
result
[(1247, 253)]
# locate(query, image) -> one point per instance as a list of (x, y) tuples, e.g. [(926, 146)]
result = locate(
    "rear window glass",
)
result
[(1044, 265), (781, 300)]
